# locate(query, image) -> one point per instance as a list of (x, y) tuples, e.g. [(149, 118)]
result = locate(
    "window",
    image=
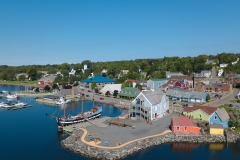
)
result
[(215, 117), (178, 128), (185, 128), (200, 116)]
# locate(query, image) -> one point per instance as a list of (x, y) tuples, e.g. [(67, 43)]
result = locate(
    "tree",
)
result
[(127, 84), (55, 86), (47, 88), (32, 74), (234, 117), (21, 78), (107, 93), (139, 86), (93, 85), (115, 93), (208, 97)]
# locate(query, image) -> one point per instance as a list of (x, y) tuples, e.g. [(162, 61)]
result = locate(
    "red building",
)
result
[(184, 125)]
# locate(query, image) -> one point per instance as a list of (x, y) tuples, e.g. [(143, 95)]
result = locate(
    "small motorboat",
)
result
[(63, 101)]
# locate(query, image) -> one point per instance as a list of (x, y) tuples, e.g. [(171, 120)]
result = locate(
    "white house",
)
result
[(149, 105), (206, 73), (223, 65), (220, 72), (111, 88), (72, 72)]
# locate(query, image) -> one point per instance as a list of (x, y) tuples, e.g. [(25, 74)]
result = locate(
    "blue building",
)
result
[(99, 80), (220, 116), (156, 83)]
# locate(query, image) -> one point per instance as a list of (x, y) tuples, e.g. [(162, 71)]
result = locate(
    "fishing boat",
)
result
[(63, 101), (12, 96)]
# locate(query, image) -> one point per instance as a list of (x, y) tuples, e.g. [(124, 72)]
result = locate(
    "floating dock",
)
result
[(100, 122)]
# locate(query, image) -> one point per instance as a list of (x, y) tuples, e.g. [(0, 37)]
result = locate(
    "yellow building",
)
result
[(216, 129)]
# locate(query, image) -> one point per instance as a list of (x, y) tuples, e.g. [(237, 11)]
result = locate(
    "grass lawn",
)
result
[(19, 82), (225, 106), (234, 101)]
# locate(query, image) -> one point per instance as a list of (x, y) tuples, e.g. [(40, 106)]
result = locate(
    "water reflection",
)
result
[(184, 147), (216, 146)]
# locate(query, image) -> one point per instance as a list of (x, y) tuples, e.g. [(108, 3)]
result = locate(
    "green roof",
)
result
[(162, 79), (129, 89), (128, 95)]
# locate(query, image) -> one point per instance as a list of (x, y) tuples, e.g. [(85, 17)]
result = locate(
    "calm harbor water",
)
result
[(29, 134)]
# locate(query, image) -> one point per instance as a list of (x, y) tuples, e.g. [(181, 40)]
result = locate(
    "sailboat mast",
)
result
[(64, 107), (82, 102)]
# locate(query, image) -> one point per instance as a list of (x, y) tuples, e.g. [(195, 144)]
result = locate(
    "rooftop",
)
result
[(207, 109), (98, 79)]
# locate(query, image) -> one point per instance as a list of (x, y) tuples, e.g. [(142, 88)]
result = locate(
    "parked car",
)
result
[(230, 105), (174, 103), (238, 101), (101, 98), (89, 91), (87, 95)]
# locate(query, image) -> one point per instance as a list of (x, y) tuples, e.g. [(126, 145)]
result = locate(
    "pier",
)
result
[(100, 122)]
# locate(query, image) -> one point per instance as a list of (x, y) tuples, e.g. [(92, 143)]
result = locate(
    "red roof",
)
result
[(182, 121), (130, 80), (181, 78), (207, 109)]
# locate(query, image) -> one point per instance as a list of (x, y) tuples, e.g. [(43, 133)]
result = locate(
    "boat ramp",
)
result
[(100, 122)]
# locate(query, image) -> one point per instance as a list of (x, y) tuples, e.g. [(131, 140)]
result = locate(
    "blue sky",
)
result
[(58, 31)]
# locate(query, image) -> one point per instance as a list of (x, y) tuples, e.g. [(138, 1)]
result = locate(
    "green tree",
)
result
[(208, 97), (139, 86), (21, 78), (93, 85), (32, 73), (234, 117), (127, 84)]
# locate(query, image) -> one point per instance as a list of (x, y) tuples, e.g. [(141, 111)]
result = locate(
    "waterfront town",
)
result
[(194, 108)]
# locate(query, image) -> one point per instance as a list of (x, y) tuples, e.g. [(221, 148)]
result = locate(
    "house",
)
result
[(47, 80), (188, 79), (199, 112), (133, 82), (149, 105), (198, 97), (216, 129), (129, 92), (104, 71), (220, 116), (22, 74), (186, 95), (179, 94), (122, 73), (199, 77), (206, 73), (169, 74), (99, 80), (71, 71), (220, 72), (232, 78), (199, 87), (156, 83), (111, 88), (143, 84), (219, 87), (184, 125), (210, 61), (183, 84), (223, 65)]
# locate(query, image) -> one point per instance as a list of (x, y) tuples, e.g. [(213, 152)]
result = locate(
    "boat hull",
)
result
[(66, 122)]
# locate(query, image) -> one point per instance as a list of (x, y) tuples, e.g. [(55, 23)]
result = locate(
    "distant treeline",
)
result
[(154, 68)]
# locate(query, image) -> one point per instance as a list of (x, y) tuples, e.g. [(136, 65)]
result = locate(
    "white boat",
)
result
[(63, 101), (19, 104), (12, 96)]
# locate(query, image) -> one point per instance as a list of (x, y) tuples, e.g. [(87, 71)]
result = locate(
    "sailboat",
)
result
[(63, 101), (95, 112)]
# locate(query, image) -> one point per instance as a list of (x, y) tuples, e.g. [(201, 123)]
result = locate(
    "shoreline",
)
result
[(75, 143)]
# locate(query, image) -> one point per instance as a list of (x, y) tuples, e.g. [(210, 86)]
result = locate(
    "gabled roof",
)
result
[(129, 92), (206, 109), (181, 78), (182, 121), (179, 93), (223, 115), (98, 79), (153, 97), (215, 126), (197, 95), (162, 79), (51, 77), (111, 88)]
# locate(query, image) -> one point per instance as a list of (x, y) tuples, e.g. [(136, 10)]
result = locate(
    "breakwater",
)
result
[(74, 144)]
